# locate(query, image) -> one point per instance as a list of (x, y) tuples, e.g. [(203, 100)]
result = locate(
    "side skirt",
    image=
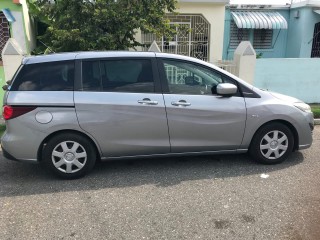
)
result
[(177, 154)]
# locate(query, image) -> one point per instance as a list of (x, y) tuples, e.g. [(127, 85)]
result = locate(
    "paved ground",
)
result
[(215, 197)]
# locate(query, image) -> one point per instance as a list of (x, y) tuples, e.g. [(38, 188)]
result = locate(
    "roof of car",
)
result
[(83, 55), (96, 54)]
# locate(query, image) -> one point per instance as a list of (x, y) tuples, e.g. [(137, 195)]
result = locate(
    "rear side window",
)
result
[(134, 75), (52, 76)]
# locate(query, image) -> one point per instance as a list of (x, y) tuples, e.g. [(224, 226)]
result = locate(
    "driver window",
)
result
[(189, 78)]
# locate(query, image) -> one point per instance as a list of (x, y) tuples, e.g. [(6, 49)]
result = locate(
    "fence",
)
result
[(229, 66)]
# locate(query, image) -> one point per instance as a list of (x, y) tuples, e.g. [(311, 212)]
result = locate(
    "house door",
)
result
[(315, 51)]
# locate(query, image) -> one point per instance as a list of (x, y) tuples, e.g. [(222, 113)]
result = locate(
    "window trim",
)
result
[(155, 72)]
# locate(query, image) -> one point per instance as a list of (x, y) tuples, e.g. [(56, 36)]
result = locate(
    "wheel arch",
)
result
[(287, 124), (43, 143)]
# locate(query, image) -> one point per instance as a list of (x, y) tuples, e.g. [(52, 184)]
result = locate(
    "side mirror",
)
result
[(226, 89)]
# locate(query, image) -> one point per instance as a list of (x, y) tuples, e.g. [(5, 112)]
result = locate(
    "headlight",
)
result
[(303, 107)]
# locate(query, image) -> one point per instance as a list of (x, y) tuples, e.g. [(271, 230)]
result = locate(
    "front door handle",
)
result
[(147, 101), (181, 103)]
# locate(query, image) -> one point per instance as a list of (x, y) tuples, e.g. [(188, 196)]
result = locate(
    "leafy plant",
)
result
[(73, 25)]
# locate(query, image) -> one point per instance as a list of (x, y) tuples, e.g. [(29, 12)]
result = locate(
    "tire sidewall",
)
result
[(255, 144), (86, 144)]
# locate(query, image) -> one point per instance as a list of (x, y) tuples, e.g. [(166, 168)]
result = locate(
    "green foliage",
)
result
[(2, 129), (81, 25), (316, 110), (259, 55)]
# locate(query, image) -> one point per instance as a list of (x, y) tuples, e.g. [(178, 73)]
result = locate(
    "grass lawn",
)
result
[(2, 129), (316, 110)]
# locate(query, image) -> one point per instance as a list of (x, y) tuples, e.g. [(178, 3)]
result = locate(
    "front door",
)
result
[(199, 119), (119, 107)]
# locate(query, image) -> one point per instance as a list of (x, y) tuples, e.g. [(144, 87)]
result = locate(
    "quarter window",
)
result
[(51, 76)]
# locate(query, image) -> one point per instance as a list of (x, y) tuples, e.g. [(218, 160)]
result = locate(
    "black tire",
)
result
[(260, 154), (68, 141)]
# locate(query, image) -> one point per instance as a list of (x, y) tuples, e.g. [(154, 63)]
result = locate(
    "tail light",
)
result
[(10, 112)]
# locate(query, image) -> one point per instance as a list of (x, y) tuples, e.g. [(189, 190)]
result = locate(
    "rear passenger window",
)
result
[(118, 76), (91, 77), (52, 76)]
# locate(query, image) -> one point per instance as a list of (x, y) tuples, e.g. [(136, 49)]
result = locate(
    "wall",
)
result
[(10, 5), (214, 13), (279, 39), (298, 77), (300, 32), (29, 27)]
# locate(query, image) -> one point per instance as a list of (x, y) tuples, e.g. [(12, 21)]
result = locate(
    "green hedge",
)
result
[(316, 110)]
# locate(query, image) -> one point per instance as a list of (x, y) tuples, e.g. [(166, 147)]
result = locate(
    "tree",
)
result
[(81, 25)]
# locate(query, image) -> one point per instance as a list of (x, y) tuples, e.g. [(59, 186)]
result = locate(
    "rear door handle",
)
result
[(147, 101), (181, 103)]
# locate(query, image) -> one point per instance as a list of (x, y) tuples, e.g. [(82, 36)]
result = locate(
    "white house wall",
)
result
[(214, 13), (18, 32), (29, 26)]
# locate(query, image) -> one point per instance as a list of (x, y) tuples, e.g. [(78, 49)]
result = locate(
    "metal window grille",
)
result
[(4, 32), (315, 51), (191, 39), (177, 75), (237, 35), (262, 38)]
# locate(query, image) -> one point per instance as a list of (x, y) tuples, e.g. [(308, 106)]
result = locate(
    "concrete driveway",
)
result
[(211, 197)]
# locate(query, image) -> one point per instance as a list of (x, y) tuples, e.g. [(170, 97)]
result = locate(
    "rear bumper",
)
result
[(8, 155), (19, 148)]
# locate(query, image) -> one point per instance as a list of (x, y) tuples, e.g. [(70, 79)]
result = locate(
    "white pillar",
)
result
[(12, 56), (245, 61)]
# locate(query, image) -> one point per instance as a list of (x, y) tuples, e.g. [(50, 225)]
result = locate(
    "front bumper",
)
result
[(301, 147)]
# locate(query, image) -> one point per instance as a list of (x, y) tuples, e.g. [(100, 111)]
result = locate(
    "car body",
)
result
[(142, 104)]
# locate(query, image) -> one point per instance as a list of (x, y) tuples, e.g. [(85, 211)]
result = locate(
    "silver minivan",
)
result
[(68, 110)]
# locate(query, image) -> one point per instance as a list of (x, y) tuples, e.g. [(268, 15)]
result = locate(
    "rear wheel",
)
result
[(272, 143), (69, 155)]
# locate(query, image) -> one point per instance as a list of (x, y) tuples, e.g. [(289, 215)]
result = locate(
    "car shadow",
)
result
[(17, 179)]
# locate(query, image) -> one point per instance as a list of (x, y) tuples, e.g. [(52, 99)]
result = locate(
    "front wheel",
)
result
[(69, 155), (272, 144)]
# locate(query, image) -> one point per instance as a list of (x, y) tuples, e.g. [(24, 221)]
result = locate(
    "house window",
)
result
[(4, 32), (191, 39), (262, 38), (237, 35)]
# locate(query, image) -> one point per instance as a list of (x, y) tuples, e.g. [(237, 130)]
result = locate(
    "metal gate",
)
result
[(315, 51), (4, 32), (191, 39)]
